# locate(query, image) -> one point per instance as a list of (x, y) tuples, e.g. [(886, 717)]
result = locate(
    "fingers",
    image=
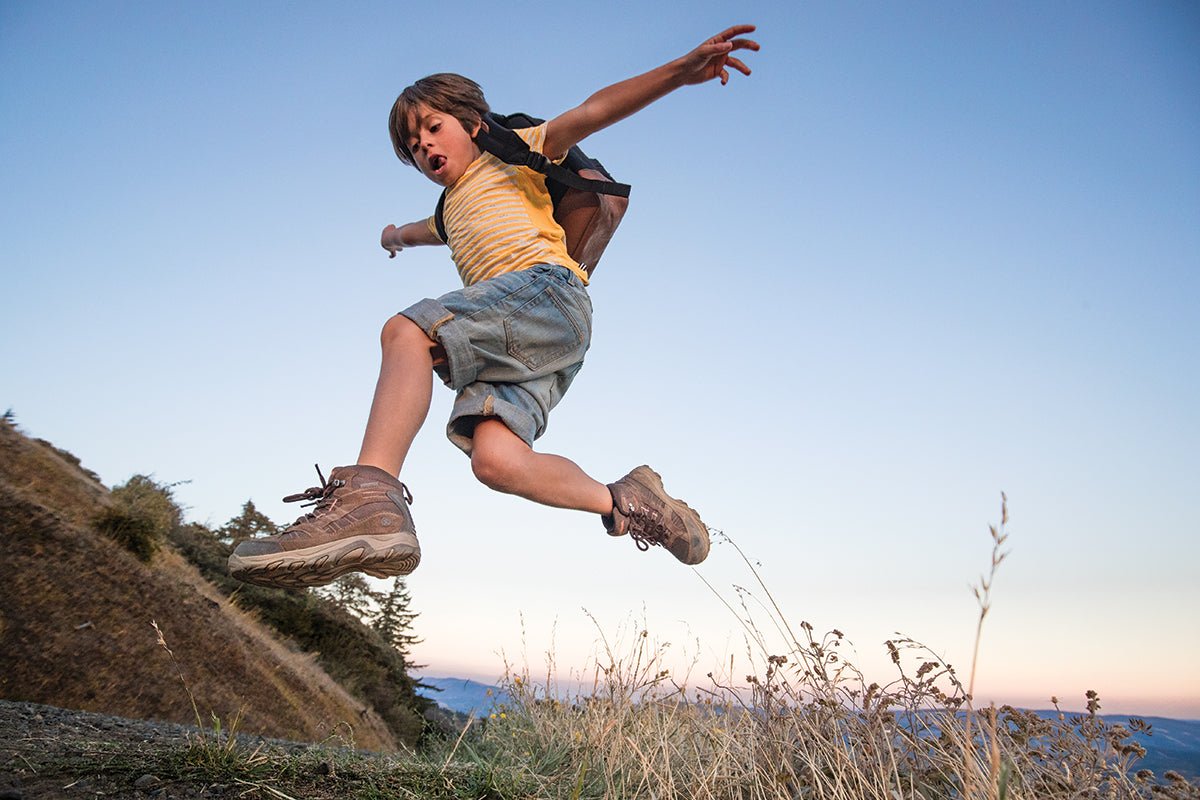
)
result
[(736, 30), (738, 64), (718, 52), (710, 49), (722, 61), (716, 46), (385, 241)]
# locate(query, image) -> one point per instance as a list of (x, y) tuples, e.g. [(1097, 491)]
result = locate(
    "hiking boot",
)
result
[(644, 510), (360, 521)]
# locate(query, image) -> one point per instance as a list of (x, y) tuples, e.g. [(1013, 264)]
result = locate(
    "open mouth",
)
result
[(437, 162)]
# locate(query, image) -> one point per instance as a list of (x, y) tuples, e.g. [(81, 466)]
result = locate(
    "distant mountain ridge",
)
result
[(463, 695)]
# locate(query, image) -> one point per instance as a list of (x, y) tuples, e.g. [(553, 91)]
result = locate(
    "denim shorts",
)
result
[(513, 345)]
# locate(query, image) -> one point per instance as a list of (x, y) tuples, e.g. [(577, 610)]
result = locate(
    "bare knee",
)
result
[(400, 331), (495, 469), (495, 458)]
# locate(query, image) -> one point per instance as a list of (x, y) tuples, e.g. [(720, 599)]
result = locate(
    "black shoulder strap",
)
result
[(439, 218), (506, 145)]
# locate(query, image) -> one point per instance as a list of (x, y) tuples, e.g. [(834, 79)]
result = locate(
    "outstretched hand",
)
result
[(713, 58), (390, 240)]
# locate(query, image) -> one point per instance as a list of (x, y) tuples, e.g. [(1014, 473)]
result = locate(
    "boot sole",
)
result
[(380, 556)]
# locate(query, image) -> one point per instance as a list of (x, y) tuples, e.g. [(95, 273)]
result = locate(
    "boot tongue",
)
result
[(616, 523), (357, 474)]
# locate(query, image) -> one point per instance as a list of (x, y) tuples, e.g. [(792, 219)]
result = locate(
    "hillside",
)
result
[(76, 613)]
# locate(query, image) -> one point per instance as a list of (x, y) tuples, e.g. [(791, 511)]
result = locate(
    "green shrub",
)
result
[(141, 517)]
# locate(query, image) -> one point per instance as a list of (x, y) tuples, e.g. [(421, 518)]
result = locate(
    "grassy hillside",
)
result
[(76, 613)]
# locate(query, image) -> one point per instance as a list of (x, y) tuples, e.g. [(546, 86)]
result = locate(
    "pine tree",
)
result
[(250, 523), (394, 620), (352, 593)]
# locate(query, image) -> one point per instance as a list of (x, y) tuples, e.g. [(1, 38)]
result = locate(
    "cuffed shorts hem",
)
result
[(439, 324), (476, 403)]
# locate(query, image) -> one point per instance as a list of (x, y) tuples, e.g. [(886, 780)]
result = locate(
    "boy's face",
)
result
[(441, 148)]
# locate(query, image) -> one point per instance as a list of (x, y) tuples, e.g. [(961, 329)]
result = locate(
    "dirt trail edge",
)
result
[(48, 752)]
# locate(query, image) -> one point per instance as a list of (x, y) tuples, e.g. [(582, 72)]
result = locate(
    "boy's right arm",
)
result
[(412, 234)]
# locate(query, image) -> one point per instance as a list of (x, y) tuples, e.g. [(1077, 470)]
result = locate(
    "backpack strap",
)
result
[(439, 218), (506, 145)]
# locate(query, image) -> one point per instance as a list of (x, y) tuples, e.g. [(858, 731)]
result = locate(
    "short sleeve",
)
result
[(431, 224), (535, 137)]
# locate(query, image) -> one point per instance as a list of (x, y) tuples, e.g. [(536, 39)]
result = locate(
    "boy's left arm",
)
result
[(712, 59)]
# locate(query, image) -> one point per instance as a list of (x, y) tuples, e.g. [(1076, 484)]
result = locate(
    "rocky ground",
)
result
[(48, 752)]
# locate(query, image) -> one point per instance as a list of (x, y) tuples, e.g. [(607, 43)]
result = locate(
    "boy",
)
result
[(509, 342)]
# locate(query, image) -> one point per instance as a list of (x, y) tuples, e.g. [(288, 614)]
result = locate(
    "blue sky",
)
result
[(926, 253)]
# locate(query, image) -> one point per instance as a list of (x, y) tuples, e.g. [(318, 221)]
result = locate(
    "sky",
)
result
[(925, 254)]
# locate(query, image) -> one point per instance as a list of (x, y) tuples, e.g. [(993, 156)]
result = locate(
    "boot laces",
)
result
[(647, 527), (319, 497)]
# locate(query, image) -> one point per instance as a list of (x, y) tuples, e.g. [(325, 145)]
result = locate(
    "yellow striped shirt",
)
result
[(499, 218)]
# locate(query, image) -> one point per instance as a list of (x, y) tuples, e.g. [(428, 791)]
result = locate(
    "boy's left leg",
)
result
[(501, 460), (636, 505)]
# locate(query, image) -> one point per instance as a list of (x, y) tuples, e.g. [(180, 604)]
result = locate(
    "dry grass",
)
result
[(805, 723), (33, 469)]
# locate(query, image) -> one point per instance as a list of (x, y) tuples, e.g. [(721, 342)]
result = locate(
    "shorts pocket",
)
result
[(544, 330)]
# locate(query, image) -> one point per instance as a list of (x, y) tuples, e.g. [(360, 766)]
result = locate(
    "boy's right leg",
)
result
[(402, 395), (360, 519)]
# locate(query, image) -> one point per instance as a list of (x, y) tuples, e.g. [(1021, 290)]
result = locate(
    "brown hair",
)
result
[(446, 92)]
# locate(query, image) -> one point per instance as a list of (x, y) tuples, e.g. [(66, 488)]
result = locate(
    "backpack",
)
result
[(588, 202)]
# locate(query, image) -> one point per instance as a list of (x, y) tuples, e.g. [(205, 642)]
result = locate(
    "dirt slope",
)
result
[(76, 613)]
